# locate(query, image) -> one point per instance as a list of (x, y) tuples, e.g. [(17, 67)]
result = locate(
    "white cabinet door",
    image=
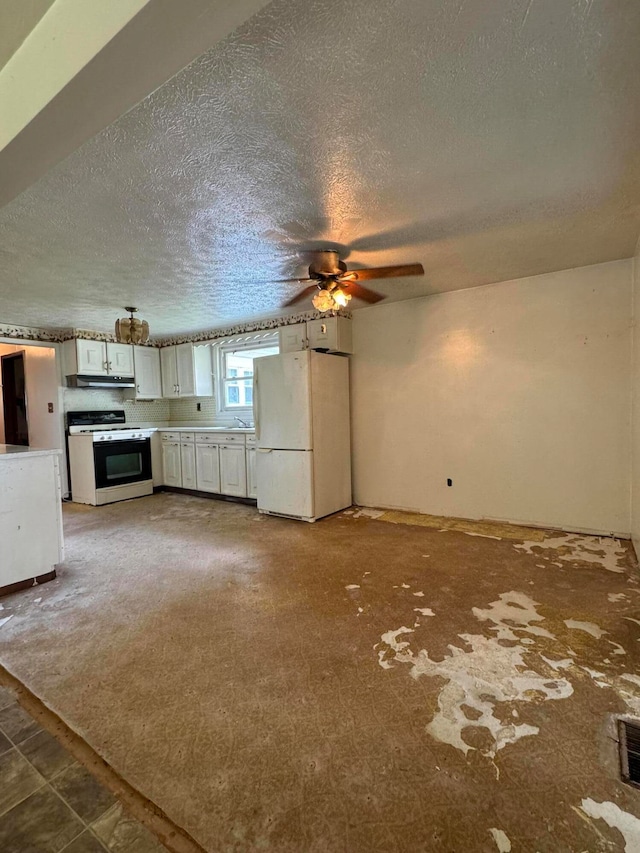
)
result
[(92, 357), (188, 463), (208, 468), (252, 488), (171, 464), (169, 369), (233, 471), (186, 372), (292, 338), (147, 372), (120, 359), (331, 334)]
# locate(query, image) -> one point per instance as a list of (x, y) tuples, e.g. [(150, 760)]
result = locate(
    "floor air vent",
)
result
[(630, 752)]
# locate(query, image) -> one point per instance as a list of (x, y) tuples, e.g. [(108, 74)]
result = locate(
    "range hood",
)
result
[(84, 380)]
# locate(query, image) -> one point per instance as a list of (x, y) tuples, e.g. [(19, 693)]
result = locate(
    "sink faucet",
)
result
[(242, 423)]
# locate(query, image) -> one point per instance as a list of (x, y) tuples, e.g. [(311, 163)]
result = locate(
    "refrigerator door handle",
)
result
[(256, 402), (265, 449)]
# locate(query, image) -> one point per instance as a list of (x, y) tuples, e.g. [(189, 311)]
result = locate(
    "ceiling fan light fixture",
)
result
[(340, 297), (323, 301), (132, 330)]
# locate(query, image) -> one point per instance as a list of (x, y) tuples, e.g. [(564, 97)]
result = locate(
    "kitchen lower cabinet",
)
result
[(208, 468), (188, 464), (233, 470), (252, 488), (172, 464)]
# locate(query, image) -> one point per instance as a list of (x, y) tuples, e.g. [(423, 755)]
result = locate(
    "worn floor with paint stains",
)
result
[(355, 685)]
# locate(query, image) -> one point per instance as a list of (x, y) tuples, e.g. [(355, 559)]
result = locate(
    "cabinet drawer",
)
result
[(229, 438), (186, 436), (171, 436), (251, 440), (207, 438)]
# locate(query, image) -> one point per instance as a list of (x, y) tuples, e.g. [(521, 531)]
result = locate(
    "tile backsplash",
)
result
[(187, 410), (139, 411)]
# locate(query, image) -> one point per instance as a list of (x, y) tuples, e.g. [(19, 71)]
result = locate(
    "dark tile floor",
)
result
[(49, 803)]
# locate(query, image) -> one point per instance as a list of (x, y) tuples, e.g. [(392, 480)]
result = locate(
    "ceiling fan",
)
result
[(336, 284)]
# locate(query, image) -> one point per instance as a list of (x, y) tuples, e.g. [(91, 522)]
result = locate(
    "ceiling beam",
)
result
[(87, 63)]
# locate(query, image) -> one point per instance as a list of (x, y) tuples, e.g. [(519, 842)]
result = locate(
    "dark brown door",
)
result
[(14, 399)]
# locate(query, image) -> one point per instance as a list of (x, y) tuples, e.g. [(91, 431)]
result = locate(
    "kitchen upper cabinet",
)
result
[(330, 334), (97, 358), (120, 359), (146, 362), (186, 371), (171, 464), (91, 357), (208, 468), (169, 370), (292, 338), (233, 470), (188, 464), (185, 364), (252, 488)]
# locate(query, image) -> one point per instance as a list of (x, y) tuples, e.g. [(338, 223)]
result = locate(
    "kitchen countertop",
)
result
[(250, 430), (10, 451)]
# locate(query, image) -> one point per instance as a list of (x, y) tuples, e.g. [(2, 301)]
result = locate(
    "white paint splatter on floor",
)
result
[(587, 627), (5, 620), (627, 824), (365, 512), (617, 596), (484, 535), (352, 586), (479, 679), (419, 594), (513, 610), (501, 839), (425, 611), (602, 551)]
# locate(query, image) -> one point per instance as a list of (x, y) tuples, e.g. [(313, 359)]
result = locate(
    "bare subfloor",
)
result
[(355, 685)]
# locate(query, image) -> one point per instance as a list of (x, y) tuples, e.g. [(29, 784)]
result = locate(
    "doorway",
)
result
[(14, 399)]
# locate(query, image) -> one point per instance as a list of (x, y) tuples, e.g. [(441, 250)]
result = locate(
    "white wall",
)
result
[(520, 392), (42, 385), (635, 434)]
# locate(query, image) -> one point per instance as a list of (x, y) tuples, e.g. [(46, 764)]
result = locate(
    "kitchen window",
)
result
[(234, 371)]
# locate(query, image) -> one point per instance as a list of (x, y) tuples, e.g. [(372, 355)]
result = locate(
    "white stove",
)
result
[(109, 460), (99, 433)]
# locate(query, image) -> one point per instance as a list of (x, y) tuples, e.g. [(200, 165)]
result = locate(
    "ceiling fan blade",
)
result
[(292, 280), (382, 272), (300, 296), (362, 292)]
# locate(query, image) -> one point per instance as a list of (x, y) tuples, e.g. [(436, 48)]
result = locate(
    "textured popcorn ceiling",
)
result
[(488, 139)]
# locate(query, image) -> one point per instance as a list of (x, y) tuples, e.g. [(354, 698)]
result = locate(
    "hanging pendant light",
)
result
[(131, 330)]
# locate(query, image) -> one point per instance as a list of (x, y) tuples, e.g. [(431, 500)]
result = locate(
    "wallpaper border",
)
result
[(32, 333)]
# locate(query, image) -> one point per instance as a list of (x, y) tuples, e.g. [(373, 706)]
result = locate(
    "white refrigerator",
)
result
[(301, 412)]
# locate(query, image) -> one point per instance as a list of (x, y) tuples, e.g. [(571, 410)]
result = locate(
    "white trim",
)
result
[(247, 341)]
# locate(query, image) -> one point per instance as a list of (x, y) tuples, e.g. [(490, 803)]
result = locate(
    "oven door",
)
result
[(120, 462)]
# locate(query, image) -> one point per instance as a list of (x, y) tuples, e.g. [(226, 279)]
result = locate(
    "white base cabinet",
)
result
[(233, 470), (171, 464), (188, 464), (252, 487), (210, 461), (208, 468)]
